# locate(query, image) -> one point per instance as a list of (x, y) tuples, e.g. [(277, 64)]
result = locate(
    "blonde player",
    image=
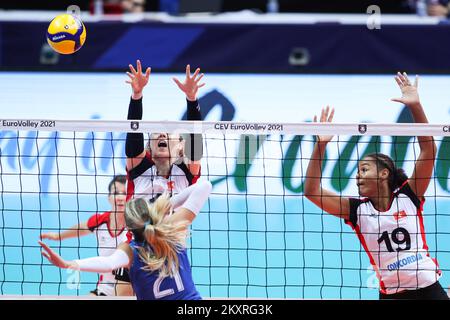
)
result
[(388, 218), (157, 260), (110, 230)]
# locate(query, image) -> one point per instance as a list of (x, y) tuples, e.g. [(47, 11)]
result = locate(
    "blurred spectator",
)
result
[(116, 6), (133, 6), (105, 6), (322, 6), (433, 8), (438, 8)]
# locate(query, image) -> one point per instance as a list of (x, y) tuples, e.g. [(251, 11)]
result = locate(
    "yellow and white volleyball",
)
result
[(66, 34)]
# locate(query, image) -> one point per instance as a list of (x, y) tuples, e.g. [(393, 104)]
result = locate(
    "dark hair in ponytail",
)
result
[(397, 176)]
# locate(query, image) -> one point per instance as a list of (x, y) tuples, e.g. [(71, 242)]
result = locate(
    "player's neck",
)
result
[(382, 201), (117, 221), (162, 167)]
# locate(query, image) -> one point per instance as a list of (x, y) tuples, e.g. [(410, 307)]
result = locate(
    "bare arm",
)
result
[(329, 201), (423, 168), (75, 231)]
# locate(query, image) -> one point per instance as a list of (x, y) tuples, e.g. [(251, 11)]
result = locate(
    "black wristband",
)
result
[(193, 110), (134, 144), (194, 142), (135, 109)]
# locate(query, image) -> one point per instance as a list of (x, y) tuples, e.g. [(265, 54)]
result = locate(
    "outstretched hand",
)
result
[(190, 85), (410, 96), (53, 257), (51, 236), (138, 80), (326, 116)]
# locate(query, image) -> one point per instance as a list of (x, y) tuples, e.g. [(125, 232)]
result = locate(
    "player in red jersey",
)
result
[(110, 230)]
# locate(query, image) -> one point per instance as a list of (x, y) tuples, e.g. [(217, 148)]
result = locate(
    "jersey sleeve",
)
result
[(353, 218), (96, 220), (145, 164), (129, 236)]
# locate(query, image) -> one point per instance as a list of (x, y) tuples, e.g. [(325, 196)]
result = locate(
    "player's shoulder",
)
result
[(104, 216), (181, 170), (98, 219), (357, 202), (406, 192), (145, 164)]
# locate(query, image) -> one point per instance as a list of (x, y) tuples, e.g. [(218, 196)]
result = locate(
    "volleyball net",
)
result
[(257, 237)]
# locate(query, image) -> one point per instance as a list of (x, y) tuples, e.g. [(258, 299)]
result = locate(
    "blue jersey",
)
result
[(148, 286)]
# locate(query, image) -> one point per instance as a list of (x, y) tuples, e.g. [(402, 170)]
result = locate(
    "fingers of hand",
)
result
[(403, 79), (199, 78), (131, 76), (196, 73), (400, 80), (330, 117), (43, 245), (188, 71), (139, 66), (179, 84), (45, 254), (132, 69), (325, 113), (405, 76)]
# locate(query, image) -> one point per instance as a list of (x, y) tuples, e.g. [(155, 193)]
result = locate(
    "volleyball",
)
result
[(66, 34)]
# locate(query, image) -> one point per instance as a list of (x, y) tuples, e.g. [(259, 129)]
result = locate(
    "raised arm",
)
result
[(119, 259), (75, 231), (190, 201), (194, 142), (329, 201), (134, 144), (423, 168)]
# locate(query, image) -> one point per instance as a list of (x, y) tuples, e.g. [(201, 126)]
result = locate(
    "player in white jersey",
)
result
[(110, 230), (169, 162), (388, 215)]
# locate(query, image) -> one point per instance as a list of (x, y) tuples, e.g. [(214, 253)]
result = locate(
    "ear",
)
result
[(384, 173), (110, 198)]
